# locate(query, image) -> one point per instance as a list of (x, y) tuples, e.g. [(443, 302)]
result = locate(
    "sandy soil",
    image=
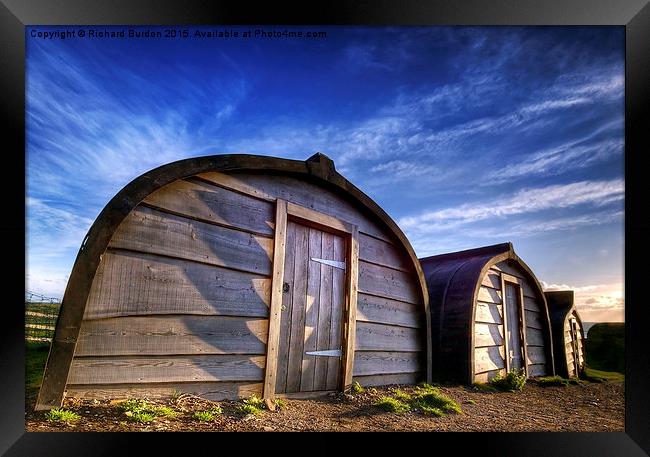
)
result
[(586, 407)]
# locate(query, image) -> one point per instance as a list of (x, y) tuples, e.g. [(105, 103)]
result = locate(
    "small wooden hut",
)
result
[(488, 315), (568, 333), (231, 275)]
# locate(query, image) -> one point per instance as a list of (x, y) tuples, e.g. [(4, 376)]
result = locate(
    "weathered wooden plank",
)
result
[(488, 335), (234, 183), (324, 322), (309, 217), (489, 313), (128, 283), (214, 391), (155, 232), (336, 320), (488, 359), (492, 279), (532, 304), (537, 370), (214, 204), (486, 376), (487, 295), (388, 283), (277, 290), (382, 253), (299, 293), (318, 198), (386, 311), (313, 304), (127, 370), (535, 337), (525, 283), (505, 267), (382, 337), (536, 354), (534, 320), (375, 362), (172, 335), (404, 379), (287, 304), (350, 329)]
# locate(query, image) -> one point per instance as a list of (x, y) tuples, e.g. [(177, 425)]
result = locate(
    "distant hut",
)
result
[(568, 333), (231, 275), (488, 315)]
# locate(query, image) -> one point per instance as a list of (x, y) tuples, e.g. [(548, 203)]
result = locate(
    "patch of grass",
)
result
[(605, 347), (513, 381), (546, 381), (400, 394), (593, 375), (357, 388), (485, 387), (175, 395), (280, 403), (470, 402), (138, 410), (431, 401), (35, 359), (62, 415), (207, 415), (252, 405), (392, 405)]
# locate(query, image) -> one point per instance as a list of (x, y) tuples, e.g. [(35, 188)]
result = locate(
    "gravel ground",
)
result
[(586, 407)]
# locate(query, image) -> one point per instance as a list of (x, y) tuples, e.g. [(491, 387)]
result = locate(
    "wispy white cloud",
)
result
[(399, 169), (528, 200), (596, 302)]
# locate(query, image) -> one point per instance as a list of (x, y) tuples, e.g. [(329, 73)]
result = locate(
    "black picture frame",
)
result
[(634, 15)]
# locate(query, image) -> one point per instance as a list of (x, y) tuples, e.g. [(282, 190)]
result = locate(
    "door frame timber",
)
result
[(287, 211), (522, 318)]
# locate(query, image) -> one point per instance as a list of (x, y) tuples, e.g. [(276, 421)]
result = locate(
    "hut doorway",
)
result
[(313, 300), (513, 327), (575, 342)]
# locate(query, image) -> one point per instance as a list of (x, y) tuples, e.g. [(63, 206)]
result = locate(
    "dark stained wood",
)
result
[(216, 205), (133, 369), (172, 335), (536, 355), (378, 337), (537, 370), (534, 320), (154, 232), (299, 292), (535, 337), (381, 310), (129, 283), (387, 283), (209, 390), (532, 304), (385, 362), (404, 379), (234, 183)]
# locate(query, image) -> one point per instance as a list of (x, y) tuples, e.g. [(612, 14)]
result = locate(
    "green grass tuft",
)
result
[(485, 387), (252, 405), (470, 402), (280, 403), (431, 401), (138, 410), (400, 395), (513, 381), (593, 375), (62, 415), (392, 405), (547, 381), (207, 415), (357, 388)]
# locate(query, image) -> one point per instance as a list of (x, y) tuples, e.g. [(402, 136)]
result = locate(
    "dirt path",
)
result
[(587, 407)]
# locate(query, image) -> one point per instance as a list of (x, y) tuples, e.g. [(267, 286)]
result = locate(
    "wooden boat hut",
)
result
[(568, 333), (231, 275), (488, 315)]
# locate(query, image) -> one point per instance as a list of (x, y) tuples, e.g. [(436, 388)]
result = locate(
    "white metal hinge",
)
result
[(327, 353), (331, 263)]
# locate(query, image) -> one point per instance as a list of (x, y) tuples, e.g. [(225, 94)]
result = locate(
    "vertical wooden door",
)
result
[(574, 345), (511, 302), (313, 300)]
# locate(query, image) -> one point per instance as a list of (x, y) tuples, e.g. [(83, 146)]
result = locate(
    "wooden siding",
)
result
[(489, 347), (181, 296)]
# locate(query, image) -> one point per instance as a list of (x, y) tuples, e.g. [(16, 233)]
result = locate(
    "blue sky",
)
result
[(466, 136)]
